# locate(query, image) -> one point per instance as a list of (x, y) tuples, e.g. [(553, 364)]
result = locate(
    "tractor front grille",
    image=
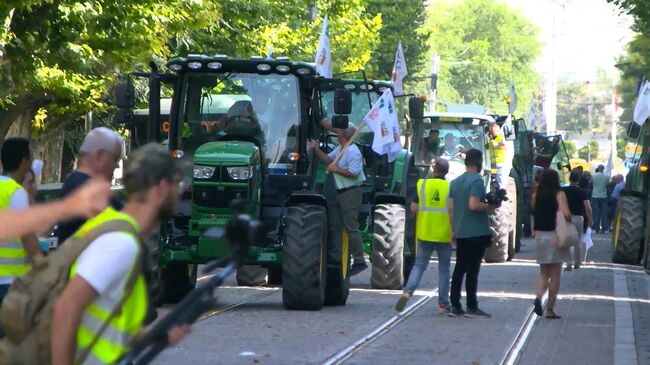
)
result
[(211, 197)]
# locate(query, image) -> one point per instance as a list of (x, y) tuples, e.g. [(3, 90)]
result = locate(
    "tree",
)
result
[(571, 148), (401, 20), (483, 45), (574, 98), (584, 151), (639, 9), (58, 59)]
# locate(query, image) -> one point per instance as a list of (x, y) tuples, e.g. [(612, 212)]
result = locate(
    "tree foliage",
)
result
[(573, 102), (483, 44), (639, 9), (401, 20)]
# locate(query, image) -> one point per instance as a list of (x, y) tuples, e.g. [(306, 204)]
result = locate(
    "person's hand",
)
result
[(332, 168), (90, 199), (325, 124), (177, 333), (493, 207), (453, 240), (312, 143)]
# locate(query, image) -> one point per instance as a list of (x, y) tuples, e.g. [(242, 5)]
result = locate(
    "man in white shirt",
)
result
[(348, 177), (152, 181), (16, 253)]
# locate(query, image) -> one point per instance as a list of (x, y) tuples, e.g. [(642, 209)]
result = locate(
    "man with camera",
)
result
[(470, 229)]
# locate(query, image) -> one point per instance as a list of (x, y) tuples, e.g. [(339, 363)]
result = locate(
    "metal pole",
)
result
[(88, 125), (433, 86)]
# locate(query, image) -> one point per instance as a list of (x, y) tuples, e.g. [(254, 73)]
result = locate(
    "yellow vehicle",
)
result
[(580, 162)]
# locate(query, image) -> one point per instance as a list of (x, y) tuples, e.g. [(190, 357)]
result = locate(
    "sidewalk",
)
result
[(600, 323)]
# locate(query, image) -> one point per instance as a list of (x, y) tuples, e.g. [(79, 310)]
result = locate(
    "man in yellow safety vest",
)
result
[(498, 152), (102, 289), (433, 231), (15, 253)]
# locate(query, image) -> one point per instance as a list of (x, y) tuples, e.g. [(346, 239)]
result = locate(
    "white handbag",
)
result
[(567, 233)]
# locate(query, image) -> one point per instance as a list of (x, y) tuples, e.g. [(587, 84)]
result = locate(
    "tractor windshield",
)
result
[(448, 140), (264, 109), (360, 108)]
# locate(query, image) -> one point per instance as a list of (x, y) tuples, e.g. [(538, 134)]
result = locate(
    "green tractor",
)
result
[(244, 123), (459, 132), (630, 236)]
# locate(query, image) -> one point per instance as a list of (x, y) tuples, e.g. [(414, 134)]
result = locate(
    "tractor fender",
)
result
[(389, 199), (307, 198)]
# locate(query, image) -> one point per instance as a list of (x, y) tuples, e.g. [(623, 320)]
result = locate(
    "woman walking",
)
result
[(548, 200)]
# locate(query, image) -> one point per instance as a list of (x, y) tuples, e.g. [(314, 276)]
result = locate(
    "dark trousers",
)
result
[(469, 254), (599, 206)]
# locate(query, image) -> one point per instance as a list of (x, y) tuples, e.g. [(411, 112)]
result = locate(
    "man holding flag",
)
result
[(348, 177)]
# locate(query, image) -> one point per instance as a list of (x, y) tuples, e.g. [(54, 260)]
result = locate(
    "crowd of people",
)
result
[(104, 304)]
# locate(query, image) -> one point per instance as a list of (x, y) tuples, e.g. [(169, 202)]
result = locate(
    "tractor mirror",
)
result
[(124, 115), (342, 101), (340, 121), (509, 130), (124, 95), (416, 107), (633, 130)]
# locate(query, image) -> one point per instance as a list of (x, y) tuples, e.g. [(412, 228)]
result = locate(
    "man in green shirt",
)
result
[(599, 200), (470, 229)]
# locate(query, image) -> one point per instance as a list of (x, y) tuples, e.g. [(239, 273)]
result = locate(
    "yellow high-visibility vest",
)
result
[(432, 220), (500, 149), (114, 341), (13, 256)]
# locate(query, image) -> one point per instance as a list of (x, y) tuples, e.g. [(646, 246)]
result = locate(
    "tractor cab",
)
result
[(449, 136)]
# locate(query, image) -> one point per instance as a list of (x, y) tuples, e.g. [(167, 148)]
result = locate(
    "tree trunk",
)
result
[(23, 112), (53, 155)]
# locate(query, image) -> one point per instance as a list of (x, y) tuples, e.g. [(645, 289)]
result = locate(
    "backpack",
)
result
[(26, 312)]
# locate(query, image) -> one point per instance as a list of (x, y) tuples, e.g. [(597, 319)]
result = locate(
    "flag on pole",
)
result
[(269, 53), (399, 70), (512, 106), (532, 116), (324, 53), (382, 120), (642, 108), (610, 166)]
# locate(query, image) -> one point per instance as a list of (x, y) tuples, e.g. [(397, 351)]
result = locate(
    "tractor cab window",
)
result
[(360, 108), (264, 109), (448, 140)]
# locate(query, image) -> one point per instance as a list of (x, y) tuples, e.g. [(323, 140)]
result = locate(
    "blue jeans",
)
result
[(599, 206), (425, 249)]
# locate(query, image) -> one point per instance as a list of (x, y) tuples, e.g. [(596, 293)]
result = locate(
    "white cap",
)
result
[(102, 138)]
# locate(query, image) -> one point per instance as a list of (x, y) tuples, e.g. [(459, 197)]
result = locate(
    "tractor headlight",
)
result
[(203, 172), (240, 172)]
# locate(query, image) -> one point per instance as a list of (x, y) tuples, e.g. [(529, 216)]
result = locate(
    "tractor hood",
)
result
[(226, 153)]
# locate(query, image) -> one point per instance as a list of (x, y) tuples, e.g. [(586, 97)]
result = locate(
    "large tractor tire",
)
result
[(338, 269), (629, 226), (501, 226), (388, 247), (304, 257), (251, 275)]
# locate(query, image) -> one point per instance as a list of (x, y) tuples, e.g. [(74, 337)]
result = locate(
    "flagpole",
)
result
[(350, 140)]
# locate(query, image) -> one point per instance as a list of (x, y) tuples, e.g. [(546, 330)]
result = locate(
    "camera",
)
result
[(496, 197)]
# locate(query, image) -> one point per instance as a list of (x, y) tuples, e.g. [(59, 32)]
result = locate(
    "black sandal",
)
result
[(552, 315)]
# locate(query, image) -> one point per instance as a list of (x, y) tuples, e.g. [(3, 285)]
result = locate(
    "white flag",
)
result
[(610, 165), (382, 119), (269, 53), (324, 53), (513, 99), (642, 108), (399, 70), (532, 116)]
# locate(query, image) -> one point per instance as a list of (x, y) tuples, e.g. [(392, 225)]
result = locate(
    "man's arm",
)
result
[(450, 213), (89, 200), (30, 244), (341, 171), (322, 156), (476, 205), (66, 317)]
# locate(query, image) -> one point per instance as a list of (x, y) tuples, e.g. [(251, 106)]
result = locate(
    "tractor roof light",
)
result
[(643, 168), (214, 65), (194, 65), (264, 67), (349, 86), (176, 67), (293, 156), (365, 87), (303, 71), (282, 68)]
